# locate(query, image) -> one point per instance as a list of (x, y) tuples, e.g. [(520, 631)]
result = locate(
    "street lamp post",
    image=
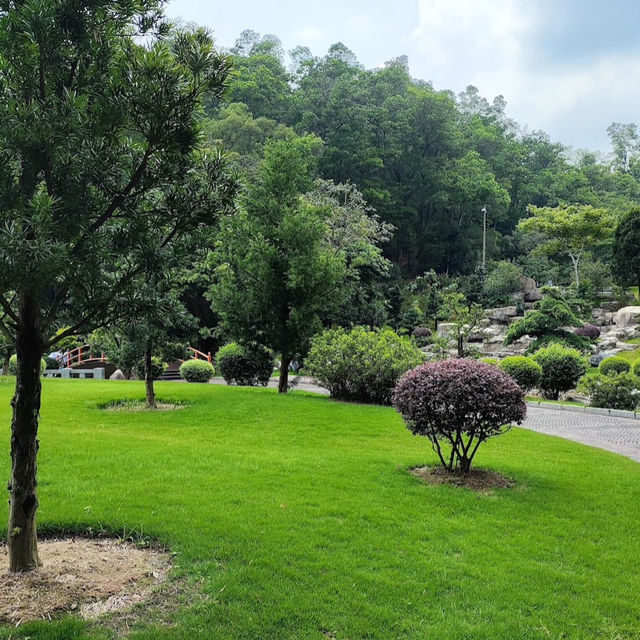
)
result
[(484, 239)]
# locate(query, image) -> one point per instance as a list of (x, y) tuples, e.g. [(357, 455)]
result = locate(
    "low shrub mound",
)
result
[(459, 404), (13, 365), (422, 336), (361, 365), (525, 371), (246, 365), (562, 367), (197, 371), (614, 366), (621, 391)]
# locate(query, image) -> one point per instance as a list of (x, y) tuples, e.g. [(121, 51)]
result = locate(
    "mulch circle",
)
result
[(480, 480)]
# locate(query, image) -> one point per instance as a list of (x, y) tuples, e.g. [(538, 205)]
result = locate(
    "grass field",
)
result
[(296, 518)]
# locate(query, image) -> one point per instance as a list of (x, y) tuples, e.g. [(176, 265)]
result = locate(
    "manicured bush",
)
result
[(13, 365), (157, 368), (459, 403), (561, 369), (525, 371), (422, 336), (361, 365), (197, 371), (492, 361), (589, 331), (51, 363), (612, 392), (614, 366), (247, 365)]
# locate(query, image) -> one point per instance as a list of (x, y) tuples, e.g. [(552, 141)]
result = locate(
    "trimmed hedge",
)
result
[(247, 365), (525, 371), (459, 403), (197, 371), (361, 365), (614, 366), (562, 367)]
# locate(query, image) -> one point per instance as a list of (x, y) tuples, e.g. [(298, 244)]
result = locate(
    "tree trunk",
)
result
[(148, 376), (460, 346), (283, 382), (23, 499)]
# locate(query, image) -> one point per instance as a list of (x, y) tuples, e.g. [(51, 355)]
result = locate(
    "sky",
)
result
[(568, 67)]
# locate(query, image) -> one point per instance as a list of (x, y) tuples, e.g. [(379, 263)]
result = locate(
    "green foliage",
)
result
[(247, 365), (636, 369), (502, 281), (13, 365), (197, 371), (361, 365), (465, 317), (550, 315), (525, 371), (562, 367), (158, 367), (491, 361), (612, 391), (614, 366), (565, 338), (626, 257)]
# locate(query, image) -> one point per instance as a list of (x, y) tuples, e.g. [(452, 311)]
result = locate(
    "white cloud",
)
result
[(310, 35), (361, 21)]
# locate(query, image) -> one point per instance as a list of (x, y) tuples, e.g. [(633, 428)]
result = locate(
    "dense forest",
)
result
[(427, 161)]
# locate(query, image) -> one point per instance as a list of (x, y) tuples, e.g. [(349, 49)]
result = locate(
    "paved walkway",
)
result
[(619, 435)]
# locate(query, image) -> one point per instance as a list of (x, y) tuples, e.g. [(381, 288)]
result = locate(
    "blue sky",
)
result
[(570, 67)]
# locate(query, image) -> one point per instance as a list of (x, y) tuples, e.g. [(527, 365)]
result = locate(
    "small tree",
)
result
[(561, 369), (573, 229), (459, 404), (465, 317), (547, 322), (626, 256)]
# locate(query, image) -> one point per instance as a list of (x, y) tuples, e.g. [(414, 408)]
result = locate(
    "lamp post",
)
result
[(484, 240)]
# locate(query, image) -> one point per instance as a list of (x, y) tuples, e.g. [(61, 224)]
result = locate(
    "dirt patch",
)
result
[(138, 406), (88, 577), (477, 480)]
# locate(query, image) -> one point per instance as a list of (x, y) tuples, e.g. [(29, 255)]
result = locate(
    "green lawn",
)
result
[(297, 518)]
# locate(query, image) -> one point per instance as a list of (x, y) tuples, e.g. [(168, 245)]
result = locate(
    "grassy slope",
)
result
[(298, 516)]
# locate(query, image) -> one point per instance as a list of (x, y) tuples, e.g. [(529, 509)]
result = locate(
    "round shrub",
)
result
[(51, 363), (13, 365), (562, 367), (157, 368), (589, 331), (247, 365), (525, 371), (614, 366), (612, 392), (197, 371), (361, 365), (492, 361), (458, 404)]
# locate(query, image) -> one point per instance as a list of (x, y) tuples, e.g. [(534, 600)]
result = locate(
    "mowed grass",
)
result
[(297, 518)]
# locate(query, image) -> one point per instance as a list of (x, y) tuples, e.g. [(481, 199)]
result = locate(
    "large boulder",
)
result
[(530, 290), (627, 316), (502, 315), (117, 375), (445, 330)]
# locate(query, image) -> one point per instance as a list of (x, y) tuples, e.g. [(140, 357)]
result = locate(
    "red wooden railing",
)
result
[(199, 355), (80, 355)]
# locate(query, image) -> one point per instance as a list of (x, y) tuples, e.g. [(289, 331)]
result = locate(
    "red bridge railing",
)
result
[(80, 355), (199, 355)]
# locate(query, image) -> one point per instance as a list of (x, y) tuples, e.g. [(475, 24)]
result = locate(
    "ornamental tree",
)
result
[(626, 252), (458, 404), (572, 229), (99, 171)]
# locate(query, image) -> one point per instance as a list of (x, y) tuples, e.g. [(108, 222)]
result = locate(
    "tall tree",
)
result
[(98, 170), (572, 229), (626, 249)]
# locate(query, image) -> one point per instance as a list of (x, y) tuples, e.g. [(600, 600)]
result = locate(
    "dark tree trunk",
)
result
[(283, 381), (23, 499), (460, 347), (148, 376)]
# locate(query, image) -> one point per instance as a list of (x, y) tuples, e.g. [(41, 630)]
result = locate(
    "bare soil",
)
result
[(477, 479), (87, 577), (135, 406)]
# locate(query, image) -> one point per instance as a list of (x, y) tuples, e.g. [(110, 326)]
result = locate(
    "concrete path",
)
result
[(619, 435)]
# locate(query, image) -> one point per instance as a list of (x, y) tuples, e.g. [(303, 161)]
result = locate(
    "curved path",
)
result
[(618, 435)]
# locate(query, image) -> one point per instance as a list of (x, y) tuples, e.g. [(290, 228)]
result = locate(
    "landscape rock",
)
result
[(117, 375), (503, 315), (445, 329), (627, 316), (530, 290)]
